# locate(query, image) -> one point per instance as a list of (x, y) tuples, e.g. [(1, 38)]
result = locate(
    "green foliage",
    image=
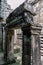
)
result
[(1, 51), (17, 63), (16, 50)]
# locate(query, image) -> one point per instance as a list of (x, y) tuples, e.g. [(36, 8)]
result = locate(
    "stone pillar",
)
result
[(6, 43), (1, 39), (11, 44), (26, 56), (35, 44), (9, 49)]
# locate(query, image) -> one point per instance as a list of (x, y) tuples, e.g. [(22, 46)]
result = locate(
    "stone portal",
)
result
[(23, 17)]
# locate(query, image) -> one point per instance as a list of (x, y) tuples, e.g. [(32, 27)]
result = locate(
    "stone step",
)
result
[(41, 36), (41, 33), (41, 51), (42, 55), (41, 39), (41, 45), (41, 48), (41, 42)]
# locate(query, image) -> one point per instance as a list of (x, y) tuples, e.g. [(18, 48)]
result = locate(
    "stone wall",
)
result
[(5, 10), (39, 12), (39, 19)]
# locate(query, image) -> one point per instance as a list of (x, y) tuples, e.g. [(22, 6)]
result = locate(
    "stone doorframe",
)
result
[(31, 32), (26, 45), (31, 45)]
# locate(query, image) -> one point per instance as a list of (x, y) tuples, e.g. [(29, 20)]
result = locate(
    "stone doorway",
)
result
[(19, 52), (15, 45), (22, 18)]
